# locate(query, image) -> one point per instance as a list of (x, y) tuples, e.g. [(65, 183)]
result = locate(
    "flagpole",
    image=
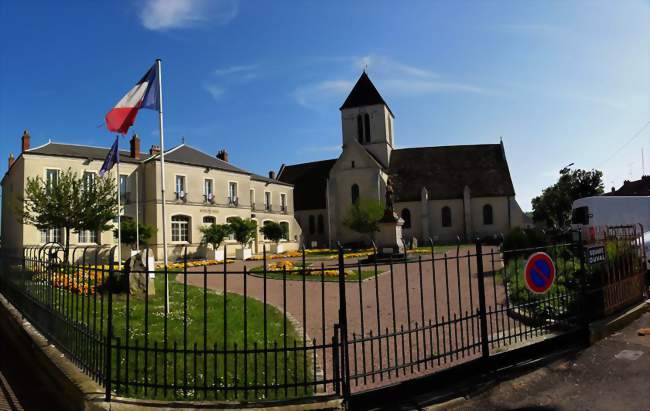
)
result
[(119, 209), (162, 179), (137, 215)]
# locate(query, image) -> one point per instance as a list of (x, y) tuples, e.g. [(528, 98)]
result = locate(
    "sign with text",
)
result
[(595, 254)]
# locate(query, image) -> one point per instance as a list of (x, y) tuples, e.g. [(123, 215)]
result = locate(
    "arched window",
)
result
[(231, 236), (265, 222), (366, 118), (488, 217), (354, 193), (406, 216), (208, 219), (321, 225), (446, 216), (285, 230), (181, 228), (312, 224), (359, 129)]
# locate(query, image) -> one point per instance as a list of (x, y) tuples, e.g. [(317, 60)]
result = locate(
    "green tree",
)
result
[(553, 207), (273, 231), (129, 235), (214, 234), (363, 217), (70, 202), (243, 230)]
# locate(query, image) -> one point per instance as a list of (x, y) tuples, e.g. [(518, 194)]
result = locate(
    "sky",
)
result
[(559, 81)]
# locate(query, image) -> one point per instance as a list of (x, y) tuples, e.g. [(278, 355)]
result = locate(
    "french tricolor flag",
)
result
[(145, 94)]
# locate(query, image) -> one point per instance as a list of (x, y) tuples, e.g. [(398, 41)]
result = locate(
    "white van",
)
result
[(591, 214)]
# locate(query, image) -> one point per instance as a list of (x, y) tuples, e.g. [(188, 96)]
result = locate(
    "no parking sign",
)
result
[(539, 273)]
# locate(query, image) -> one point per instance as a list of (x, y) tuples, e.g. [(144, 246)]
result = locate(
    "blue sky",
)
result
[(559, 81)]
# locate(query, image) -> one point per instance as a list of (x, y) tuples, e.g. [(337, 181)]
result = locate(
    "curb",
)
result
[(601, 329)]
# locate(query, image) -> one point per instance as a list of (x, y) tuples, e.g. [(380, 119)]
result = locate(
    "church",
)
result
[(441, 193)]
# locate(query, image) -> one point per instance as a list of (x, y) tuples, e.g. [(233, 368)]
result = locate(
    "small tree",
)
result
[(129, 234), (70, 203), (553, 207), (214, 234), (273, 231), (243, 230), (363, 217)]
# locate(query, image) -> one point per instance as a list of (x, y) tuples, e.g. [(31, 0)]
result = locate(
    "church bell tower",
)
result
[(366, 119)]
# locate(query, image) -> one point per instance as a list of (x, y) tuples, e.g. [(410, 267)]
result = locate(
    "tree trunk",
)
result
[(66, 246)]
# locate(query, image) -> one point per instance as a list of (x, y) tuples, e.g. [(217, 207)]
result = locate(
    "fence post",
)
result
[(584, 294), (485, 347), (343, 323), (109, 327)]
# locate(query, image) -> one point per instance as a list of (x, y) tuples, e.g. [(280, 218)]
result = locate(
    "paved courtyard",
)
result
[(410, 294)]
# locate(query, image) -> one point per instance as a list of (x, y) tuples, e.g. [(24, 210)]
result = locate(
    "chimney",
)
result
[(25, 140), (613, 189), (154, 150), (135, 146), (272, 175), (11, 159), (222, 155)]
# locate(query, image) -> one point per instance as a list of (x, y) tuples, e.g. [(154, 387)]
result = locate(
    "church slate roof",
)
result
[(364, 93), (310, 183), (444, 171)]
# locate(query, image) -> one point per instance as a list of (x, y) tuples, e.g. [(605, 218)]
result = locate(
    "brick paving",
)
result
[(408, 295)]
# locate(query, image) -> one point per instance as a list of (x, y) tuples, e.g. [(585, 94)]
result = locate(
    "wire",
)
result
[(637, 134)]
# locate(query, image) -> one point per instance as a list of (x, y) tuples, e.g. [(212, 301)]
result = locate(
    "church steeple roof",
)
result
[(364, 93)]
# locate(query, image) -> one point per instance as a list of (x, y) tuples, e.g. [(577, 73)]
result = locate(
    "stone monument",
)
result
[(137, 277), (389, 238)]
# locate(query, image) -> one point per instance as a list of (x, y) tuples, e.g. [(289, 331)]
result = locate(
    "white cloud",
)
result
[(239, 70), (390, 76), (172, 14), (215, 90), (312, 94)]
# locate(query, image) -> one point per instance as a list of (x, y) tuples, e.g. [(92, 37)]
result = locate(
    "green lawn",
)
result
[(188, 371)]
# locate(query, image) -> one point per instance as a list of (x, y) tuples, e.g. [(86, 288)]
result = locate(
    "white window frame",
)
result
[(208, 216), (283, 202), (183, 178), (87, 237), (231, 236), (230, 197), (205, 188), (179, 224), (124, 193), (50, 235), (89, 173), (46, 172)]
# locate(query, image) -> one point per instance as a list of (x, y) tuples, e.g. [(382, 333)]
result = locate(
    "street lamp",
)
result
[(565, 169)]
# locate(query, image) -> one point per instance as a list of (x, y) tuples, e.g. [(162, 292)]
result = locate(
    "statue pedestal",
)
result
[(389, 238)]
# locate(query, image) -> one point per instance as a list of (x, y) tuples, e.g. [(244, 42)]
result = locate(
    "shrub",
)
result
[(520, 238)]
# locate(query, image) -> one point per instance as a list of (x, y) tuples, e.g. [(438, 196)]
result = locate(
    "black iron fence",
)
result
[(308, 323)]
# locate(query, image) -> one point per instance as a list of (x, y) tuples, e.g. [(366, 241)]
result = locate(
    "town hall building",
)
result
[(441, 193)]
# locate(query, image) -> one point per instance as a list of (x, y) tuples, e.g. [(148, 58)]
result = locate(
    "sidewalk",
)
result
[(613, 374)]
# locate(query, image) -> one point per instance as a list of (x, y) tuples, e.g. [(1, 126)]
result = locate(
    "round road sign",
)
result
[(539, 273)]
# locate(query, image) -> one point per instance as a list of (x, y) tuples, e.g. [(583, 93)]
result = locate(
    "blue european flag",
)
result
[(112, 158)]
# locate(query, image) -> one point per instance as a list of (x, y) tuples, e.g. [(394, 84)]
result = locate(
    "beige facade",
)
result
[(441, 193), (228, 192)]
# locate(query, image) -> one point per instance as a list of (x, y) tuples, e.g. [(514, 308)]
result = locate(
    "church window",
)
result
[(446, 216), (312, 224), (321, 225), (488, 218), (366, 118), (359, 129), (406, 216), (354, 193)]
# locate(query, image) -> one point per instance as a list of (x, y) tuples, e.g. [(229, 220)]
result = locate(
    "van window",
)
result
[(580, 215)]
